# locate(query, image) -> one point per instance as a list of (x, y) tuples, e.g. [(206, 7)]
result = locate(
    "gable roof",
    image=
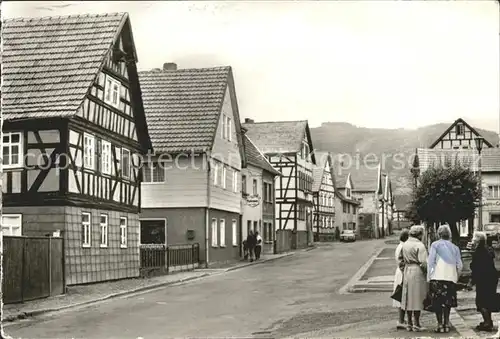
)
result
[(337, 192), (183, 107), (50, 63), (459, 120), (317, 178), (490, 157), (276, 137), (256, 158)]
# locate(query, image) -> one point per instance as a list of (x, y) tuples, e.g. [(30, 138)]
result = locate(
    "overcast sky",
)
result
[(386, 64)]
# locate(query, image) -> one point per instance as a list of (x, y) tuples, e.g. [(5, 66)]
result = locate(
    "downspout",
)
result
[(207, 214)]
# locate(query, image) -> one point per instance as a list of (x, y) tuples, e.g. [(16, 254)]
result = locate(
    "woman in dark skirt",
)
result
[(444, 266), (485, 277)]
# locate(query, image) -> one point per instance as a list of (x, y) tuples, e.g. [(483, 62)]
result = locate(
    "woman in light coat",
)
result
[(443, 269), (413, 262), (398, 278)]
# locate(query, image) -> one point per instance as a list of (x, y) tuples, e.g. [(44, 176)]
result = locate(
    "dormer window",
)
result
[(348, 192), (460, 129), (112, 91)]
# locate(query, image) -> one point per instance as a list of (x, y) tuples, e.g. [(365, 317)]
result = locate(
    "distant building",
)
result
[(323, 189), (401, 203)]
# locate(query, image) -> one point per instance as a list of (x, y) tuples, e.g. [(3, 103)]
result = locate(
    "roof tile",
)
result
[(256, 158), (277, 137)]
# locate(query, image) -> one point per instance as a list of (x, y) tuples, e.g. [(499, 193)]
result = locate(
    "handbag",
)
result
[(428, 306), (398, 293)]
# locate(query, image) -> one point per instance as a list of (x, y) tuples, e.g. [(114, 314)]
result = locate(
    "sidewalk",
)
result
[(81, 295)]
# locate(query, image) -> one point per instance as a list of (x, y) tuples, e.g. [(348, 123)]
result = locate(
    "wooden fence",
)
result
[(33, 268)]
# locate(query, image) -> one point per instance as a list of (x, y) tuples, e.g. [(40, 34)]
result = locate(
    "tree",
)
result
[(448, 193)]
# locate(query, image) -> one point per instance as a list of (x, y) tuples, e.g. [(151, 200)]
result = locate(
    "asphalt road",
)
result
[(287, 297)]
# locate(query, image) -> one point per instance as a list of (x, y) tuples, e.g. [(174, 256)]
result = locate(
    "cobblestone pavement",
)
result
[(287, 297)]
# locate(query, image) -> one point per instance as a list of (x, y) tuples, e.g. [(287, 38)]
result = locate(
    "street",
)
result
[(287, 297)]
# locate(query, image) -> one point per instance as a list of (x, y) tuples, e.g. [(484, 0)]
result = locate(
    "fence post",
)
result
[(50, 266), (167, 259)]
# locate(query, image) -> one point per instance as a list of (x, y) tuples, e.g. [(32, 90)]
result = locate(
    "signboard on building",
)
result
[(253, 200)]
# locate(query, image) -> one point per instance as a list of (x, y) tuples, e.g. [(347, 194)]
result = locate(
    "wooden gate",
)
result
[(33, 268)]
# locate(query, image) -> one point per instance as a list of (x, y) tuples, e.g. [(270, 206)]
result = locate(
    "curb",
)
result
[(356, 277), (257, 262), (463, 330), (24, 315)]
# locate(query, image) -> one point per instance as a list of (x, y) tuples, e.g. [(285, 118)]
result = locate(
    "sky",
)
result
[(379, 64)]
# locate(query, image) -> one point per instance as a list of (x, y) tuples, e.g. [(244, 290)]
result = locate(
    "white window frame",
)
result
[(224, 177), (112, 86), (224, 131), (87, 238), (235, 181), (150, 167), (104, 230), (222, 232), (229, 129), (11, 225), (10, 145), (88, 158), (122, 163), (234, 224), (105, 157), (214, 232), (123, 232), (216, 174)]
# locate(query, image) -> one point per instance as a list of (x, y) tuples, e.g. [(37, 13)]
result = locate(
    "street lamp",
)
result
[(479, 146)]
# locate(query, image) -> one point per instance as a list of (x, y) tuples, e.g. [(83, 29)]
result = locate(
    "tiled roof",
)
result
[(401, 201), (490, 157), (50, 63), (364, 177), (277, 137), (317, 178), (183, 106), (341, 179), (256, 158)]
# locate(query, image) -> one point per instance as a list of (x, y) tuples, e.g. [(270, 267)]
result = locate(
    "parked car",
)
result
[(347, 235)]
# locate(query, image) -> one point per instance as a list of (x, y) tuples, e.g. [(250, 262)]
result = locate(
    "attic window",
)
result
[(460, 129), (112, 92), (348, 192)]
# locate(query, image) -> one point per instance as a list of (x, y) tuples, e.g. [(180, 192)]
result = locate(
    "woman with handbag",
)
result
[(443, 269), (485, 276), (398, 279), (413, 261)]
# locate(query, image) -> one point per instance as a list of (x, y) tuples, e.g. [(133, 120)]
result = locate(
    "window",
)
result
[(222, 230), (228, 126), (123, 232), (214, 232), (255, 187), (112, 92), (104, 230), (12, 150), (89, 149), (216, 174), (12, 224), (244, 184), (235, 181), (154, 172), (235, 232), (344, 207), (460, 129), (105, 157), (224, 128), (348, 192), (348, 208), (494, 192), (224, 180), (125, 163), (85, 229)]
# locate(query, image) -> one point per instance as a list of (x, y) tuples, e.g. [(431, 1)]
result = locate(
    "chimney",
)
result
[(170, 66), (249, 121)]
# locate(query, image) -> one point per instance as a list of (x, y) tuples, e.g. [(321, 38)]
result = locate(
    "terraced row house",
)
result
[(457, 143)]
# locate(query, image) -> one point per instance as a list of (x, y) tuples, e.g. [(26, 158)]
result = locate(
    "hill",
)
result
[(396, 146)]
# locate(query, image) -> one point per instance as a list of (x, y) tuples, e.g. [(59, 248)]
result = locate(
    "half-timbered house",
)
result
[(346, 216), (257, 189), (323, 189), (288, 147), (192, 184), (460, 135), (74, 128)]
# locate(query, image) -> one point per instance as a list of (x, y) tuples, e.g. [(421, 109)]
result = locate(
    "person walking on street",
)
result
[(251, 245), (485, 277), (398, 278), (443, 269), (413, 262), (258, 245)]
